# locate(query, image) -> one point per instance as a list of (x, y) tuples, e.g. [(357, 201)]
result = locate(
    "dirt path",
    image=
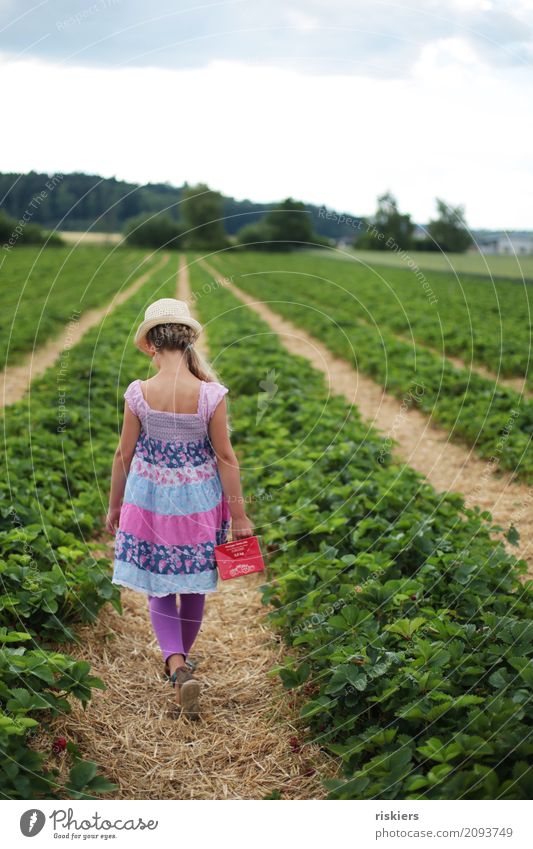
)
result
[(518, 384), (447, 466), (239, 749), (15, 380)]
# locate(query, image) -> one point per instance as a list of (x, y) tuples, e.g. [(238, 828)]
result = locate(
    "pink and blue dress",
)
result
[(174, 510)]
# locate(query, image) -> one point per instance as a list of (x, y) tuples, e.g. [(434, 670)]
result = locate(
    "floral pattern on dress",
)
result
[(168, 559), (174, 477), (173, 455)]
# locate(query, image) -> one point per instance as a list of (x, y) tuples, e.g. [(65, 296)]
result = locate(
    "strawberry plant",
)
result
[(468, 316), (58, 445), (410, 628), (41, 290)]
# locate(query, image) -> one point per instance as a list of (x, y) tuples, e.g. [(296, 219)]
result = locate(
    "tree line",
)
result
[(289, 226), (197, 217), (201, 227), (90, 202)]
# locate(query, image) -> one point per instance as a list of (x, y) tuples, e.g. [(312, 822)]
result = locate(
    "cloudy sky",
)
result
[(331, 101)]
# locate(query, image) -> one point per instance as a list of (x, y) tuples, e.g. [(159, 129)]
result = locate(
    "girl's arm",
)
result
[(131, 427), (230, 475)]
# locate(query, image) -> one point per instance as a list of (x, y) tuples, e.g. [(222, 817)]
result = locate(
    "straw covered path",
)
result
[(240, 747), (426, 447)]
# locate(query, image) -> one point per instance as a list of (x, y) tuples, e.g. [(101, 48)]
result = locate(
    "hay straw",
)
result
[(239, 749)]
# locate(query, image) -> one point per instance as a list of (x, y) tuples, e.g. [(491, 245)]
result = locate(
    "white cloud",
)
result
[(451, 54), (453, 129), (382, 38), (301, 20), (472, 5)]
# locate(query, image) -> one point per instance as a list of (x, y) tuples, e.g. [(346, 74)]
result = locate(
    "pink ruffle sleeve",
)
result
[(214, 392), (135, 399)]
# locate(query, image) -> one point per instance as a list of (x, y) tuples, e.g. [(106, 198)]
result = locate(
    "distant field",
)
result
[(467, 316), (359, 312), (75, 237), (499, 266)]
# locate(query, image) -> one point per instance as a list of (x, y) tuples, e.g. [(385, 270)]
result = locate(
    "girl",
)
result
[(175, 486)]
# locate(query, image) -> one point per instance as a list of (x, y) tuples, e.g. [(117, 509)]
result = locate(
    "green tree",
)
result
[(257, 236), (390, 229), (13, 233), (7, 225), (289, 225), (203, 214), (156, 231), (449, 230), (283, 228)]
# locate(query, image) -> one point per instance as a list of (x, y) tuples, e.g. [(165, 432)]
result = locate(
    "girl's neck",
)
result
[(171, 363)]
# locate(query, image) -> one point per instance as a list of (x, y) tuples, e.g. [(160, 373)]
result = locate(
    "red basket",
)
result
[(239, 557)]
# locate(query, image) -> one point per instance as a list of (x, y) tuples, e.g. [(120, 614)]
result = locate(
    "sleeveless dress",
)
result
[(174, 510)]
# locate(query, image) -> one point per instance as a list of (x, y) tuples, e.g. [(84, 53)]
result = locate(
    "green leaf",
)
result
[(316, 706), (415, 782), (81, 774), (346, 675), (512, 536), (13, 636), (439, 773), (498, 679), (100, 784), (406, 627)]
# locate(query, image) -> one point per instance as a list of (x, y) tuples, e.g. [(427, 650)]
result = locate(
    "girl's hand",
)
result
[(112, 519), (241, 528)]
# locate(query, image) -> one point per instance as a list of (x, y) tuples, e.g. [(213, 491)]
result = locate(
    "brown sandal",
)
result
[(189, 690), (190, 664)]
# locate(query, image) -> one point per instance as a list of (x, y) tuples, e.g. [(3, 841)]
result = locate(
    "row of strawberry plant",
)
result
[(478, 319), (493, 419), (410, 630), (58, 445), (45, 288)]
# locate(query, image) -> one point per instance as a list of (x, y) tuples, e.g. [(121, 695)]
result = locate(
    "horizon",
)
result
[(249, 199)]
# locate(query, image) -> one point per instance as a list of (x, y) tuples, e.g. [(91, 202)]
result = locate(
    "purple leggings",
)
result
[(176, 629)]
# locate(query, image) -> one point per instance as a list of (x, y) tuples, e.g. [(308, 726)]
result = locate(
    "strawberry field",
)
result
[(408, 627), (409, 630), (58, 444), (483, 321), (354, 313)]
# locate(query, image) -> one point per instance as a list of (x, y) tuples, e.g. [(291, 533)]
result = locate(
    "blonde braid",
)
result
[(181, 337)]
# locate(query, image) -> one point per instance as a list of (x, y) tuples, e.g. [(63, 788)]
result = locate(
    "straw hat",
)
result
[(165, 311)]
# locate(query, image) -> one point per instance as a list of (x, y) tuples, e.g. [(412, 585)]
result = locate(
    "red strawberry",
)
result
[(59, 745), (295, 745)]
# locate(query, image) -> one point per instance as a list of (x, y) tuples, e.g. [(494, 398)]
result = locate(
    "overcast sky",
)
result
[(330, 101)]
